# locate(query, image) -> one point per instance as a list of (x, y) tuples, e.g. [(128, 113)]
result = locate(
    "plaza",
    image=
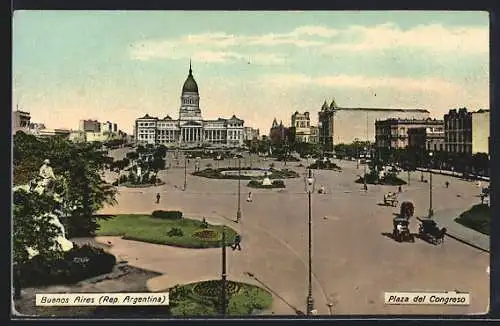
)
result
[(353, 262)]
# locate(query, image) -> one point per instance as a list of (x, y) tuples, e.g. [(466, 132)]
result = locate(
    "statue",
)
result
[(45, 183), (139, 173), (46, 171)]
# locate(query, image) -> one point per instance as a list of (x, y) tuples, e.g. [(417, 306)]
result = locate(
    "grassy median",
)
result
[(193, 233), (478, 218)]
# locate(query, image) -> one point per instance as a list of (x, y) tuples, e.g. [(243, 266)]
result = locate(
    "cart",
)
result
[(391, 199), (429, 231)]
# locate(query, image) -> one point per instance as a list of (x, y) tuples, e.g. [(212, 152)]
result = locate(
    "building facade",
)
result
[(250, 133), (426, 138), (20, 121), (90, 126), (301, 122), (458, 131), (480, 131), (339, 125), (190, 130), (314, 137), (395, 134), (279, 134)]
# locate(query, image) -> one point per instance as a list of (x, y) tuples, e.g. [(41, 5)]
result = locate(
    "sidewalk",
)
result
[(461, 233), (451, 173)]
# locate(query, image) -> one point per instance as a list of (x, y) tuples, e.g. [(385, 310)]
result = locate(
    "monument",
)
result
[(44, 183)]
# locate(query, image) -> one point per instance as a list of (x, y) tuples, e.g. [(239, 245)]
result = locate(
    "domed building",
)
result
[(190, 130)]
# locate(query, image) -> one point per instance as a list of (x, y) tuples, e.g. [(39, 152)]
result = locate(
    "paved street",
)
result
[(354, 263)]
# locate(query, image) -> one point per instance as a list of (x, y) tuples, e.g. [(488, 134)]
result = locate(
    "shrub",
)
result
[(278, 183), (389, 180), (78, 264), (175, 232), (322, 165), (170, 215)]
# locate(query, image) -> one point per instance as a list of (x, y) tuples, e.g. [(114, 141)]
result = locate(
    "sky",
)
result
[(120, 65)]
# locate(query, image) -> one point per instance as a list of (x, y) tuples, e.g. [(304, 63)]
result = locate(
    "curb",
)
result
[(467, 242), (460, 239)]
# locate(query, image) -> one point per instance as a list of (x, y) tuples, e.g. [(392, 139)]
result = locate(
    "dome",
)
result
[(190, 85)]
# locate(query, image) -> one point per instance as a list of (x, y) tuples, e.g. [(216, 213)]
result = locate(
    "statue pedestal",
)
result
[(266, 182)]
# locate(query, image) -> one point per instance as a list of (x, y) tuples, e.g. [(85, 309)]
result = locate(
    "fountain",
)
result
[(266, 181)]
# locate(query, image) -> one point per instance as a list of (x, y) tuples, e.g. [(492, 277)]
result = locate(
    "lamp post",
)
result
[(238, 213), (431, 211), (223, 275), (365, 187), (357, 153), (310, 181), (185, 173)]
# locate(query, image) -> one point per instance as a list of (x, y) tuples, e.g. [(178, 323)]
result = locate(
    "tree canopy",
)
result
[(79, 164)]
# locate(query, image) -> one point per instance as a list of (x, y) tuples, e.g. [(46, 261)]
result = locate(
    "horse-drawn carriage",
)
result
[(401, 223), (429, 231), (391, 199)]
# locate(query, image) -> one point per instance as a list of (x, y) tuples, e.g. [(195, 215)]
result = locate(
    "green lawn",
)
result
[(478, 218), (203, 299), (155, 230)]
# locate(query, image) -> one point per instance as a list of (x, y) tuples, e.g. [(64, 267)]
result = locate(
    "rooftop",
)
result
[(383, 109)]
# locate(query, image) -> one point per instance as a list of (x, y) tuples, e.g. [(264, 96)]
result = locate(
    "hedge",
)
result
[(78, 264), (170, 215)]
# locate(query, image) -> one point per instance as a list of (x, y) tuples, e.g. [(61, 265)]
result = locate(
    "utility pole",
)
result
[(238, 213)]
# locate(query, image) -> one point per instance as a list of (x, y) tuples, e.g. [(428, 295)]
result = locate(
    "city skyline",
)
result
[(118, 66)]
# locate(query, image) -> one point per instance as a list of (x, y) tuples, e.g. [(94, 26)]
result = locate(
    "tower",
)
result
[(190, 99)]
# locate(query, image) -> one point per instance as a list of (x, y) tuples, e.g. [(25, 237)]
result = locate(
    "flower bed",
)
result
[(271, 173), (212, 289), (274, 184), (203, 299), (207, 235)]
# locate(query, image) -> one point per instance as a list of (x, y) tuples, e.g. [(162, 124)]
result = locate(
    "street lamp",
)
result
[(431, 211), (310, 182), (185, 173), (365, 187), (238, 213), (357, 153), (223, 275)]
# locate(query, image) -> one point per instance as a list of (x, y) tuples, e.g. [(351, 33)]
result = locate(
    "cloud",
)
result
[(430, 84), (224, 47), (432, 38), (221, 46)]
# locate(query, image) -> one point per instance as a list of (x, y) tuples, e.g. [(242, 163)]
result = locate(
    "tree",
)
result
[(32, 227), (79, 164)]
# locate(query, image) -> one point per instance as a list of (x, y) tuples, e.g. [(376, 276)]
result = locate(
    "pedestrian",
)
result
[(446, 184), (158, 198), (365, 187), (249, 198), (237, 241), (399, 189)]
